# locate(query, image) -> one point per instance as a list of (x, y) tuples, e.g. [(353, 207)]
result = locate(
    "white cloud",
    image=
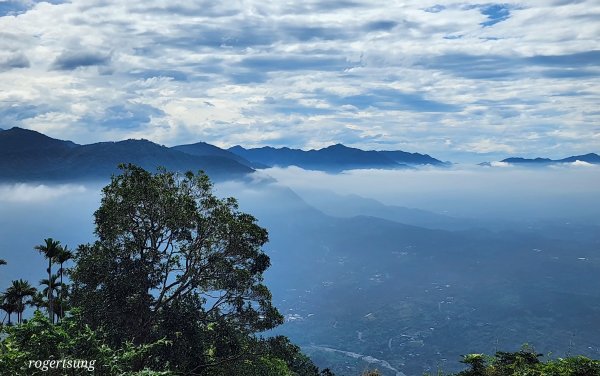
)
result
[(488, 146), (579, 163), (462, 190), (322, 63), (30, 193)]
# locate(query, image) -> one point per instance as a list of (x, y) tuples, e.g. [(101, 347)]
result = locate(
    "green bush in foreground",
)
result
[(39, 339), (526, 362)]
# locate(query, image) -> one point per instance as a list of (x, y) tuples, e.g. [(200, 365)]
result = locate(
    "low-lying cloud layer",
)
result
[(568, 191), (31, 193), (29, 213), (446, 79)]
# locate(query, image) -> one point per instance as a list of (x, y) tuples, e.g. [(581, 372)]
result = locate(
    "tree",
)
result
[(173, 260), (52, 285), (51, 289), (2, 262), (50, 250), (17, 292), (63, 256), (527, 362), (38, 300), (9, 305)]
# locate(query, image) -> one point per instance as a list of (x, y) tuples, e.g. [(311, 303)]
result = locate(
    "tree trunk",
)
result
[(50, 297), (60, 315)]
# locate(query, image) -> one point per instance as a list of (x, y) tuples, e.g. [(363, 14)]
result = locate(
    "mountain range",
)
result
[(591, 158), (336, 157), (360, 282), (27, 155)]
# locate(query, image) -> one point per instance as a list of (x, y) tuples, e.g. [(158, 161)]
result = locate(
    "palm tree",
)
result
[(57, 304), (52, 288), (50, 249), (52, 285), (63, 256), (38, 300), (8, 305), (17, 293)]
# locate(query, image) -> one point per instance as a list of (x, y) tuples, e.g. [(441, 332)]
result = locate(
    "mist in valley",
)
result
[(402, 269), (510, 192)]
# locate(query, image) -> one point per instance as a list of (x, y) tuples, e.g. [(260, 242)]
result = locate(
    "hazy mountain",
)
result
[(416, 297), (101, 158), (203, 149), (29, 155), (588, 158), (412, 158), (333, 158), (338, 205), (26, 154), (518, 160), (18, 140)]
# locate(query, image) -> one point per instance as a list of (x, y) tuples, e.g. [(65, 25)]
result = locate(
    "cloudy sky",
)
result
[(453, 79)]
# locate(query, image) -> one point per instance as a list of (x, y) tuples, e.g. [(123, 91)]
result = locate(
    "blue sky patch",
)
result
[(495, 13), (16, 7), (12, 8)]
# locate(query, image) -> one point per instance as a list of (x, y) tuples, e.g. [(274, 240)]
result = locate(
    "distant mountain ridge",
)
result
[(27, 155), (592, 158), (334, 158), (203, 149), (30, 155), (17, 140)]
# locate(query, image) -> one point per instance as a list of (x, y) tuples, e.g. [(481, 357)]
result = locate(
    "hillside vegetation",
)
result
[(173, 285)]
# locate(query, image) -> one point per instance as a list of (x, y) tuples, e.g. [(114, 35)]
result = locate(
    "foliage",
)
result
[(173, 285), (173, 261), (16, 294), (526, 362), (61, 258), (39, 339), (371, 373), (50, 249)]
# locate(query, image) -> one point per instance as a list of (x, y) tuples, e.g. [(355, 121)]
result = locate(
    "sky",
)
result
[(457, 80)]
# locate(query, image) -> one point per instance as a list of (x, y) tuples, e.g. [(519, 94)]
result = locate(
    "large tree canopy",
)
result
[(174, 261)]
